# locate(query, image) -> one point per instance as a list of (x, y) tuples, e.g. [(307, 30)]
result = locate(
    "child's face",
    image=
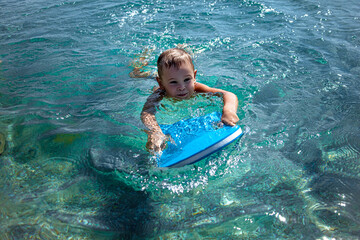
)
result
[(178, 83)]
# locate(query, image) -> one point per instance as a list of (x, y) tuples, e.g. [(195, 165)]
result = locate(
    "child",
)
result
[(177, 79)]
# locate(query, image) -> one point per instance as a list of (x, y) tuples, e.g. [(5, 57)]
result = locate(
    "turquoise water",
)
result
[(74, 165)]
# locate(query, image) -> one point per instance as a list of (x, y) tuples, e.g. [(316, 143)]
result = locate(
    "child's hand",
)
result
[(156, 141), (229, 118)]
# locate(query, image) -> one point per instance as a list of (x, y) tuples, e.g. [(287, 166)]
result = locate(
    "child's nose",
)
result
[(181, 86)]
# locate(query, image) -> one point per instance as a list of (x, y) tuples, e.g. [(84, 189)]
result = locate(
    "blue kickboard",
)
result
[(196, 138)]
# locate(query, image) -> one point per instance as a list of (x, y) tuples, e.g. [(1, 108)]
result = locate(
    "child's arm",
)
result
[(229, 116), (156, 137)]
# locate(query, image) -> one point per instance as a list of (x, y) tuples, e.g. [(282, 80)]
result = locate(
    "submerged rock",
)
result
[(341, 197), (115, 159), (105, 162)]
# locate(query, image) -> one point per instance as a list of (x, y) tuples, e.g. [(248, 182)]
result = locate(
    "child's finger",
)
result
[(229, 123)]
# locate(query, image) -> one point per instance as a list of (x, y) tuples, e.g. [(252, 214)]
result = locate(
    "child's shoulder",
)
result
[(200, 87), (157, 94)]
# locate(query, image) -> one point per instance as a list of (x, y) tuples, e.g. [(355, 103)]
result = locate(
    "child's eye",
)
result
[(173, 82), (187, 79)]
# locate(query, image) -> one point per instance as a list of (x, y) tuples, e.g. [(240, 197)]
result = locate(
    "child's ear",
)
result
[(159, 82), (195, 71)]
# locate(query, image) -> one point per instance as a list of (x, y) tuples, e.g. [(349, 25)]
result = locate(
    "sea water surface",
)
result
[(73, 162)]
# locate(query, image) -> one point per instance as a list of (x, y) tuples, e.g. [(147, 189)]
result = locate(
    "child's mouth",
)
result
[(182, 95)]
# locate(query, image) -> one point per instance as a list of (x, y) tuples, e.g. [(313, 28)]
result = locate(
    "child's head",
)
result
[(173, 57), (176, 74)]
